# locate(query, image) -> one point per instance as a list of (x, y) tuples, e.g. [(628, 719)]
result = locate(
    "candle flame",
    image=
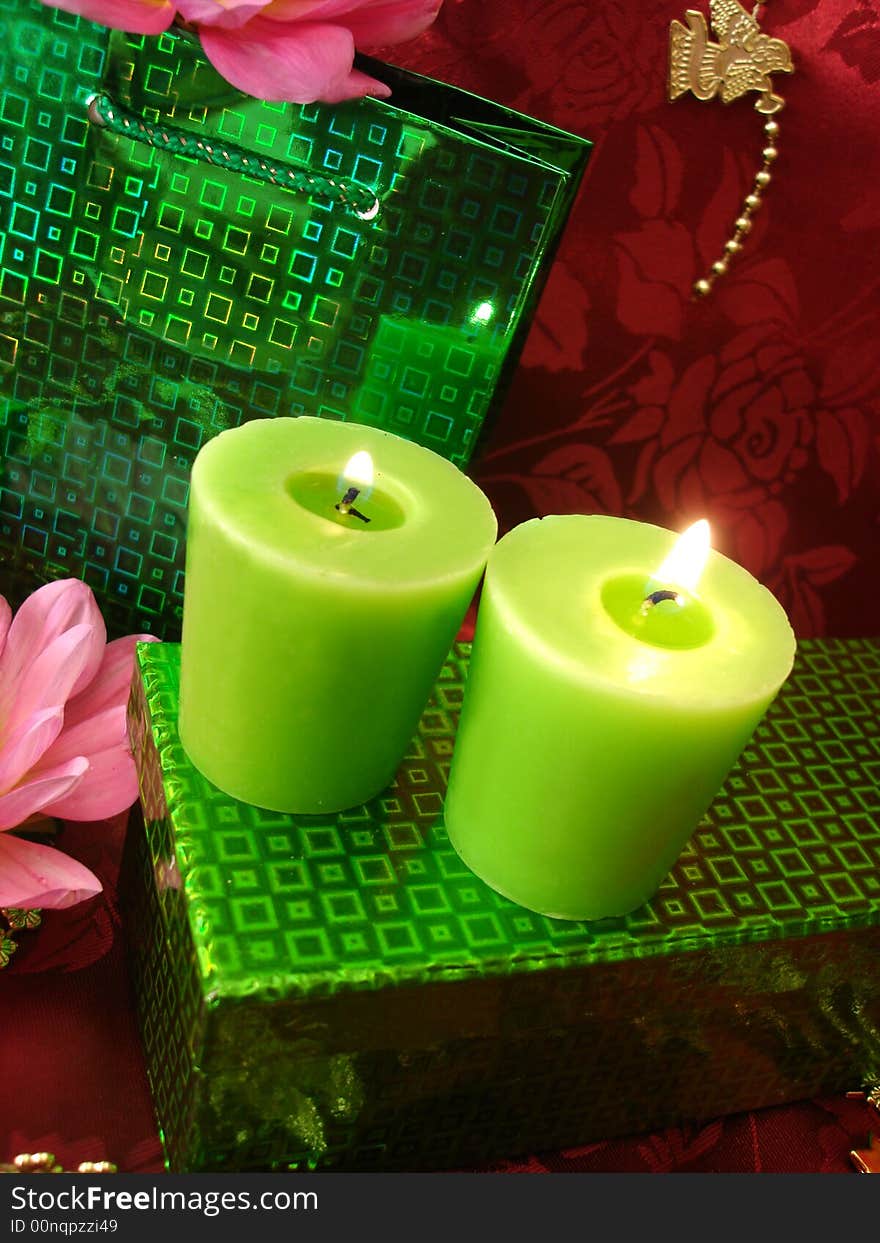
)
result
[(358, 472), (687, 560)]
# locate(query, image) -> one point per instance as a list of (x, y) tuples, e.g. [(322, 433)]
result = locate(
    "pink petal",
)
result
[(139, 17), (39, 790), (95, 727), (37, 876), (89, 737), (52, 676), (373, 23), (111, 684), (355, 86), (309, 10), (109, 787), (22, 748), (5, 619), (301, 62), (228, 13), (45, 615), (394, 21)]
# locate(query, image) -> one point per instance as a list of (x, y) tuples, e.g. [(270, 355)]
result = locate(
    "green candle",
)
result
[(608, 697), (319, 606)]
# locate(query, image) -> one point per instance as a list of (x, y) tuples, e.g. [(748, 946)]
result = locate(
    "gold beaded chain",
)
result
[(741, 60), (45, 1163)]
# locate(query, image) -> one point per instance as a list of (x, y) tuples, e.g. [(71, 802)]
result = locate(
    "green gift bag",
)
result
[(180, 257)]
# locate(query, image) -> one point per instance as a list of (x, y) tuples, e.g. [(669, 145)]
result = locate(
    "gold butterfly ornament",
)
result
[(739, 59)]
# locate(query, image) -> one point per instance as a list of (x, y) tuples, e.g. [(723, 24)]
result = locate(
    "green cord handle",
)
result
[(359, 200)]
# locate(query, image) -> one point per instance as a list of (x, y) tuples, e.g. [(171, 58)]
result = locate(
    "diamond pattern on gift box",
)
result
[(148, 302), (790, 846)]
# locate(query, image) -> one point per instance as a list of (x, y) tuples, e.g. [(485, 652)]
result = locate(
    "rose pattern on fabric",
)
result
[(857, 40), (729, 432), (759, 407)]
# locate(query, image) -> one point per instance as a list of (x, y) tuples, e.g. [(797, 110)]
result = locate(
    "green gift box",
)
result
[(341, 991), (180, 257)]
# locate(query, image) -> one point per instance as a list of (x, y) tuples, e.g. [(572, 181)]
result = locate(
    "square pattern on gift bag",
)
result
[(150, 300)]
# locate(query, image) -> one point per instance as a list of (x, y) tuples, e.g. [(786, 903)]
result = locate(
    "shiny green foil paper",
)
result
[(149, 300), (341, 991)]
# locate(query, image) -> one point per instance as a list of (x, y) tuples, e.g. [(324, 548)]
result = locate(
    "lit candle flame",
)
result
[(356, 479), (687, 560), (358, 472)]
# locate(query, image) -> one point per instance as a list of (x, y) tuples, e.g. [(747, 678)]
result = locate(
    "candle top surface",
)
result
[(558, 583), (278, 488)]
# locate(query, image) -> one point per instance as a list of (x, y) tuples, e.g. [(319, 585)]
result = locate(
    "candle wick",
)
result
[(346, 505), (657, 597), (348, 500)]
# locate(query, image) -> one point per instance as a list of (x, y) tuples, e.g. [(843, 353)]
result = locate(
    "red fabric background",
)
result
[(759, 409)]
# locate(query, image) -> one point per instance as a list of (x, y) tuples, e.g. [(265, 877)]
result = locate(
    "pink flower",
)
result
[(63, 747), (296, 50)]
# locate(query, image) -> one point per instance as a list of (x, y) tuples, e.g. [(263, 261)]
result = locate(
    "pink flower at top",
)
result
[(296, 50), (63, 746)]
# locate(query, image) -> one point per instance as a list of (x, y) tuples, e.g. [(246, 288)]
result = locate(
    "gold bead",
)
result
[(753, 202), (732, 247), (743, 224), (35, 1162), (769, 154), (702, 288), (771, 129), (719, 267), (763, 178)]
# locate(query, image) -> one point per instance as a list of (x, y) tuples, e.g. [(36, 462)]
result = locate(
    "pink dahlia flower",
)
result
[(63, 746), (297, 50)]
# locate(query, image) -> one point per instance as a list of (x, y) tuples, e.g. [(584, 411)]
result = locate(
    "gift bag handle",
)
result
[(359, 200)]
